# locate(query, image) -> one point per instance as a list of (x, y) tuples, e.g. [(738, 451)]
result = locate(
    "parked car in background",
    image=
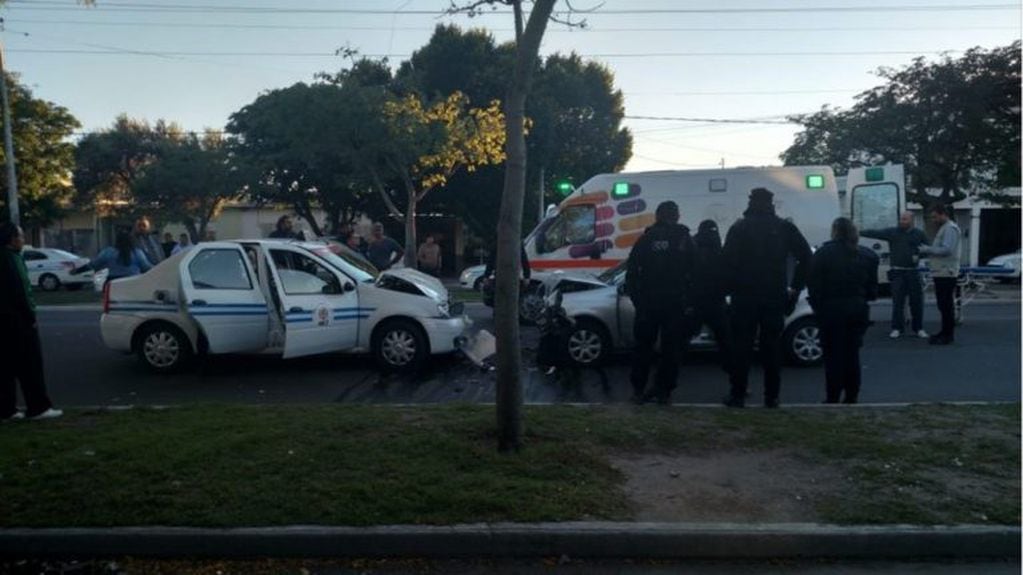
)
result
[(1009, 261), (604, 317), (472, 277), (278, 296), (49, 269)]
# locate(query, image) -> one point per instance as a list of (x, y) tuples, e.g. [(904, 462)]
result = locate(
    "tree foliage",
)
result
[(953, 123), (192, 182), (44, 156), (109, 163)]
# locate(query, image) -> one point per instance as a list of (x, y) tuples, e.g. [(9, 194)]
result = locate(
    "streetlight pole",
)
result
[(12, 175)]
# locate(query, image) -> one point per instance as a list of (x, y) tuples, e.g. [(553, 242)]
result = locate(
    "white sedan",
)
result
[(50, 268), (1011, 263), (472, 277), (287, 297)]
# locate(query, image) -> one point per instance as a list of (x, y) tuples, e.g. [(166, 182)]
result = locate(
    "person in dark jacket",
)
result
[(658, 281), (285, 230), (904, 243), (21, 357), (842, 279), (709, 290), (756, 258)]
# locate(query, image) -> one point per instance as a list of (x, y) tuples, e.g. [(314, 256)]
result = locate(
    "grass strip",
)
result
[(216, 465)]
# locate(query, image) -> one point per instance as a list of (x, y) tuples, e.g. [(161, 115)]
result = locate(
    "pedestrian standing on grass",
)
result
[(21, 356), (842, 279), (658, 280), (904, 243), (944, 263), (759, 250)]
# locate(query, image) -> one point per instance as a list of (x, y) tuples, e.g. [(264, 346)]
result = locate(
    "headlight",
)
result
[(465, 276)]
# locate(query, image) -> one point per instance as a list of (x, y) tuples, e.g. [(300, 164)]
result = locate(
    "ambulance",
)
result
[(595, 227)]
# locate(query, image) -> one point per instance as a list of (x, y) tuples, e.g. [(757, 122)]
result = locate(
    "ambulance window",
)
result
[(301, 275), (875, 206), (219, 269), (574, 225)]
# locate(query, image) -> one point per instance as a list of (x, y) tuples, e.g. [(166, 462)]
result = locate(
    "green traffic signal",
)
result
[(564, 187)]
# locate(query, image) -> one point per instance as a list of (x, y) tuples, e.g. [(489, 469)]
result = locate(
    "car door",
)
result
[(321, 305), (223, 297)]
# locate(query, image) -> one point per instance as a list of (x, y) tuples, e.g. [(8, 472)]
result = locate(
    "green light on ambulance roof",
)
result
[(620, 190), (874, 174), (563, 187), (815, 182)]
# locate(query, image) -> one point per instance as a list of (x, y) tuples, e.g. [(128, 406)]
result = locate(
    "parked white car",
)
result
[(278, 296), (50, 268), (1011, 263), (604, 318), (472, 277)]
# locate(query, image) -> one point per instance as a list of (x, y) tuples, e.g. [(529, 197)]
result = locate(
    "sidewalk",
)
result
[(578, 540)]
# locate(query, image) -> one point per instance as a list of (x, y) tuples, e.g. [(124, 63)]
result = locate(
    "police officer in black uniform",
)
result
[(756, 256), (843, 278), (658, 281)]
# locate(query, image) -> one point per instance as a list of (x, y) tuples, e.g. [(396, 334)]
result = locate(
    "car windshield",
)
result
[(345, 258), (615, 274)]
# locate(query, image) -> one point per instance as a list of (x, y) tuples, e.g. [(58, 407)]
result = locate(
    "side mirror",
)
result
[(349, 286)]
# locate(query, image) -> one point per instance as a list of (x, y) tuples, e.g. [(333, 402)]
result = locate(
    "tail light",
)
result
[(106, 297)]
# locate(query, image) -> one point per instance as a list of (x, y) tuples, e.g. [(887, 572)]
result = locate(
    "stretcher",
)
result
[(972, 282)]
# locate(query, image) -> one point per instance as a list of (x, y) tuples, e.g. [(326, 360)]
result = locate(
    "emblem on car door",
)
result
[(322, 315)]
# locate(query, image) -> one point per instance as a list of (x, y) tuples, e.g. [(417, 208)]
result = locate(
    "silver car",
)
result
[(604, 317)]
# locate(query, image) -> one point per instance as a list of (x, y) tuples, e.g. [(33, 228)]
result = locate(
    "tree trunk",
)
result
[(410, 232), (509, 230)]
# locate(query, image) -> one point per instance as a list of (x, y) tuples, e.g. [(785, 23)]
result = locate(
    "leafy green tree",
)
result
[(192, 182), (109, 163), (300, 140), (954, 124), (44, 156)]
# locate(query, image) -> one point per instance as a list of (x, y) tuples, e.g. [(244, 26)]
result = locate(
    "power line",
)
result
[(710, 120), (173, 53), (745, 93), (588, 30), (114, 6)]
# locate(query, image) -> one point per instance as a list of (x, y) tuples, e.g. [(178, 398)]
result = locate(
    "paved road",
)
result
[(983, 365)]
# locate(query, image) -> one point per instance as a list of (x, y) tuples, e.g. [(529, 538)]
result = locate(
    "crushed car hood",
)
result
[(429, 285)]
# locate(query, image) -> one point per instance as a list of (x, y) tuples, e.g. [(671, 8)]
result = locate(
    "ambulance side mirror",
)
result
[(349, 286)]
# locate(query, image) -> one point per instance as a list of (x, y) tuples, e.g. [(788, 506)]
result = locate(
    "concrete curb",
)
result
[(503, 540)]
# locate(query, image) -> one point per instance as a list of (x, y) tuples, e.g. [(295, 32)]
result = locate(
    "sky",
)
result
[(195, 62)]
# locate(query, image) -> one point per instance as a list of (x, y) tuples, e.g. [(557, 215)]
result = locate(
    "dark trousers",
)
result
[(944, 292), (715, 317), (906, 283), (748, 318), (21, 361), (668, 323), (842, 325)]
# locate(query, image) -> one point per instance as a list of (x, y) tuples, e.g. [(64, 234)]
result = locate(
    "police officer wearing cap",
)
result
[(756, 258), (658, 282)]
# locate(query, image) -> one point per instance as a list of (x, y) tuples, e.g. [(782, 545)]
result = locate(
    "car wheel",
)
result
[(163, 348), (400, 345), (478, 284), (588, 344), (530, 306), (802, 342), (49, 282)]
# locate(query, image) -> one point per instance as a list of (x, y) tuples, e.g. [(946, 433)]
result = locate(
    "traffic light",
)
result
[(563, 187)]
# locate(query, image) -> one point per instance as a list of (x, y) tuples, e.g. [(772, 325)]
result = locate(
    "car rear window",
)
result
[(219, 269)]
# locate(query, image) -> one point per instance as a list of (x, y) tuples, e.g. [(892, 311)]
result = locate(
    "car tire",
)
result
[(49, 282), (399, 345), (163, 348), (802, 342), (531, 305), (478, 284), (588, 344)]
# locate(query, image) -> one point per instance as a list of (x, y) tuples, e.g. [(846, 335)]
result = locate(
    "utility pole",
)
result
[(12, 176)]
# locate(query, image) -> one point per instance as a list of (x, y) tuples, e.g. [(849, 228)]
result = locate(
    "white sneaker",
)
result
[(16, 416), (48, 414), (922, 334), (895, 334)]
